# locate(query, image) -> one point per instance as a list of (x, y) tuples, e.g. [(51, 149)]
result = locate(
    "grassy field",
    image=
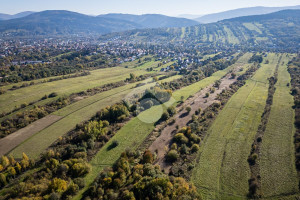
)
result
[(231, 37), (277, 159), (64, 87), (138, 129), (223, 168), (74, 114), (252, 27)]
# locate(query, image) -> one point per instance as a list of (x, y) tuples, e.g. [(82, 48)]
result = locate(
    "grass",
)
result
[(277, 160), (74, 114), (223, 168), (252, 27), (64, 87), (138, 129), (230, 36)]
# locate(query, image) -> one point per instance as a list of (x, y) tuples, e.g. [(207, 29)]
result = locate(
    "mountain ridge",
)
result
[(240, 12), (4, 16)]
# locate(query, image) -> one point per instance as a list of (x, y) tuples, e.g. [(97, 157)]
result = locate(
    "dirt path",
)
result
[(13, 140), (161, 144)]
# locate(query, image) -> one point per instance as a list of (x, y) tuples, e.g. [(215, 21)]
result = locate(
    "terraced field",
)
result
[(277, 156), (64, 87), (222, 168), (136, 130), (72, 115)]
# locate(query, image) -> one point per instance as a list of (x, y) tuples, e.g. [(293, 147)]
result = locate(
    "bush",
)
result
[(114, 144), (53, 94), (188, 109), (147, 157), (252, 159), (172, 156), (58, 185), (165, 116), (180, 138), (195, 148), (171, 110), (80, 182), (206, 95)]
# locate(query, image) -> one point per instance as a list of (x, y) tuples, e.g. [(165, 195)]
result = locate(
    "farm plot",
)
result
[(222, 167), (64, 87), (277, 156), (72, 115), (132, 134), (13, 140)]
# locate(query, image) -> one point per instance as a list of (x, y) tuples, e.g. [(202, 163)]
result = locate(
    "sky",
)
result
[(166, 7)]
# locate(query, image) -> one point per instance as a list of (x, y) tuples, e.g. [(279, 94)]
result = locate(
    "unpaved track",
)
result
[(13, 140), (162, 143)]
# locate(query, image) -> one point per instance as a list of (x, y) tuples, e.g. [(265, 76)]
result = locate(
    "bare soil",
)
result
[(162, 144), (13, 140)]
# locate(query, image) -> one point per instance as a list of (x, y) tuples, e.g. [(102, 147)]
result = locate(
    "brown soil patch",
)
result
[(161, 145), (13, 140), (78, 98)]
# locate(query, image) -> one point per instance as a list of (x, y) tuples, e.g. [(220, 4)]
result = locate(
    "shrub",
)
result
[(53, 94), (188, 109), (195, 148), (180, 138), (198, 111), (165, 116), (206, 95), (114, 144), (172, 156), (58, 185), (54, 196), (171, 110), (252, 159), (184, 149), (80, 182), (80, 169), (147, 157)]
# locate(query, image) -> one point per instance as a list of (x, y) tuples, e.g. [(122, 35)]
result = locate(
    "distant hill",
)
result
[(279, 30), (63, 22), (18, 15), (189, 16), (59, 22), (153, 20), (241, 12)]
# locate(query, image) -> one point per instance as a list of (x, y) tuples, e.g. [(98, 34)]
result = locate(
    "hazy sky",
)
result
[(167, 7)]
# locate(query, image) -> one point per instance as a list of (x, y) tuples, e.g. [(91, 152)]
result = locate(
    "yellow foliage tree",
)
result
[(5, 161)]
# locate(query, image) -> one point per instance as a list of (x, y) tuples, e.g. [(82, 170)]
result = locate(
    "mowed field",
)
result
[(74, 114), (277, 156), (98, 77), (222, 170), (137, 129)]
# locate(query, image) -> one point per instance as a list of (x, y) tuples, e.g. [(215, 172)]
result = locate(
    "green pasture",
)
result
[(223, 169), (277, 157)]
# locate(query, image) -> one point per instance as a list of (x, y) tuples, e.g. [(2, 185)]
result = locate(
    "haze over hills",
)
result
[(189, 16), (66, 22), (276, 30), (153, 20), (18, 15), (241, 12)]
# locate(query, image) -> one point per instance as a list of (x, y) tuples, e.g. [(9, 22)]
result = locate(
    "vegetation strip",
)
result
[(294, 70), (139, 130), (255, 181), (277, 159), (222, 166)]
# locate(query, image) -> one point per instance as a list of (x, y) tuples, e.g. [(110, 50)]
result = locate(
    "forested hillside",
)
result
[(280, 30)]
